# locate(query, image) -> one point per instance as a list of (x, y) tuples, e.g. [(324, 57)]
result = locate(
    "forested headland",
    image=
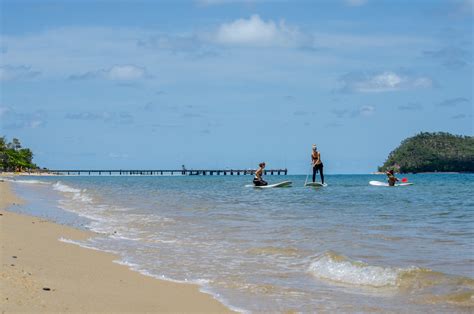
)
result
[(432, 152)]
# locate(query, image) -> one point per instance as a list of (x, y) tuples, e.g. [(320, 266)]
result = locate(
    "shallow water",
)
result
[(346, 247)]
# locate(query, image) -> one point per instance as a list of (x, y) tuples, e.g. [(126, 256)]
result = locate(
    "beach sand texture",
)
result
[(39, 273)]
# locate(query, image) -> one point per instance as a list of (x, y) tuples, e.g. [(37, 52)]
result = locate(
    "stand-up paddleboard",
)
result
[(316, 184), (276, 185), (379, 183)]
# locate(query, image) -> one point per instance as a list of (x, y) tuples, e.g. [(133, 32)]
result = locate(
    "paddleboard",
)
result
[(379, 183), (316, 184), (276, 185)]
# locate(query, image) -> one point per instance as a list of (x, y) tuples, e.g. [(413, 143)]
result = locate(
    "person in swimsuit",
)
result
[(391, 178), (317, 164), (258, 181)]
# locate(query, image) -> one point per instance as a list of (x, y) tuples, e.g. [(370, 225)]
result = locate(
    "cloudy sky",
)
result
[(222, 83)]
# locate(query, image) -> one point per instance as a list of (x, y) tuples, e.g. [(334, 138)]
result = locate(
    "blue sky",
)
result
[(216, 83)]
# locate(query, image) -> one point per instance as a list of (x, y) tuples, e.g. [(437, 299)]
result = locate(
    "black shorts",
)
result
[(258, 182)]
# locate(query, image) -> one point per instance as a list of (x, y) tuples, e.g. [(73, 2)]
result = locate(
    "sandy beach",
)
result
[(41, 274)]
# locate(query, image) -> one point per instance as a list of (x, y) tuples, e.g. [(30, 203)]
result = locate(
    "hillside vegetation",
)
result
[(13, 157), (432, 152)]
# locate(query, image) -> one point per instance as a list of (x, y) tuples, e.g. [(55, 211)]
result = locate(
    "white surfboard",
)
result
[(276, 185), (316, 184), (379, 183)]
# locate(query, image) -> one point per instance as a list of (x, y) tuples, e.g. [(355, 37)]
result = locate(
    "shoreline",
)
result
[(40, 273)]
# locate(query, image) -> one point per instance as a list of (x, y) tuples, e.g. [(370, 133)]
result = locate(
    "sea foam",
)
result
[(334, 267), (58, 186), (77, 194), (26, 181)]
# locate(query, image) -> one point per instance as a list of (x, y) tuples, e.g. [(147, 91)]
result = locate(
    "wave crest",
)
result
[(58, 186), (426, 285), (77, 194), (334, 267)]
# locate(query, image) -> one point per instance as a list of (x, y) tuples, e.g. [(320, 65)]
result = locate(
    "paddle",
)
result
[(404, 180), (306, 181)]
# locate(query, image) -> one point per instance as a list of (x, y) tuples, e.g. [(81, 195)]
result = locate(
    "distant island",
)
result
[(13, 157), (432, 152)]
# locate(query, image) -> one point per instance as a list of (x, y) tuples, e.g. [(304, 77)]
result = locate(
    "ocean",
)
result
[(347, 247)]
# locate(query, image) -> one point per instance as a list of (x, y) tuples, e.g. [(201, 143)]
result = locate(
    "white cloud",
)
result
[(78, 52), (366, 110), (363, 111), (114, 117), (383, 82), (461, 116), (115, 73), (17, 120), (452, 102), (35, 124), (410, 107), (452, 56), (125, 72), (256, 32), (10, 73), (356, 3)]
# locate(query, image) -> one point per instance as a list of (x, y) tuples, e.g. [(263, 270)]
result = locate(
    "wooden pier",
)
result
[(182, 172)]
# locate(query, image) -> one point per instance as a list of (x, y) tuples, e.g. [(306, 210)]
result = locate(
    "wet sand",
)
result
[(41, 274)]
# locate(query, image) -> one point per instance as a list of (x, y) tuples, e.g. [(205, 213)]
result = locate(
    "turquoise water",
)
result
[(347, 247)]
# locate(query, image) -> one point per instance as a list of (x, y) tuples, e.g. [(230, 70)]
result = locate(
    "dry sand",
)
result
[(40, 273)]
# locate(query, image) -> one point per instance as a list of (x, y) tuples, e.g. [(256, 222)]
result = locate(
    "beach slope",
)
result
[(39, 273)]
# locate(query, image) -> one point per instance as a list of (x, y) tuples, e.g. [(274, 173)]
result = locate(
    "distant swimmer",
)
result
[(317, 164), (391, 178), (258, 181)]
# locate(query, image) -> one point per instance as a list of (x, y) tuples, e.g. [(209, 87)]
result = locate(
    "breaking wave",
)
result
[(427, 285)]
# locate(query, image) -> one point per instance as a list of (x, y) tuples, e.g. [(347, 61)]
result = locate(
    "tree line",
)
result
[(432, 152), (13, 157)]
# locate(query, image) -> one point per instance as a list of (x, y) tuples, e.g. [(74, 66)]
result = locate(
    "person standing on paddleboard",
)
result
[(391, 178), (317, 164), (258, 181)]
